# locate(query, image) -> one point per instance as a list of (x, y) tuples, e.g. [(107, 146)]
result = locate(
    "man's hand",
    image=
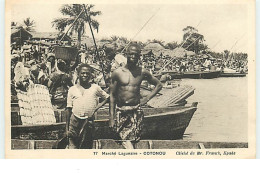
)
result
[(112, 123)]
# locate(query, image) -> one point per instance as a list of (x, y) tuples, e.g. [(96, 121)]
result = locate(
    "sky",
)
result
[(223, 25)]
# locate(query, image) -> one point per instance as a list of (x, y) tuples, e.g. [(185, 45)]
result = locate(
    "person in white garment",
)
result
[(82, 103)]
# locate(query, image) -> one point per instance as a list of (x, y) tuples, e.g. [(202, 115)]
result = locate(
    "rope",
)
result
[(140, 30)]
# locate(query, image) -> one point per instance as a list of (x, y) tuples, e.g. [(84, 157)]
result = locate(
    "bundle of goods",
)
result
[(66, 53), (171, 97), (35, 105)]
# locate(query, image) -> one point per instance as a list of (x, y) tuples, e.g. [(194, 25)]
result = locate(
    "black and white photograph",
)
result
[(144, 79)]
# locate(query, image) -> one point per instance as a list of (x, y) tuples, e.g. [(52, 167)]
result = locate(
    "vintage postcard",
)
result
[(130, 79)]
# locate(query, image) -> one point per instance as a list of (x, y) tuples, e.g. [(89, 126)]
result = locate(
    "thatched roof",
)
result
[(190, 53), (153, 46), (49, 35), (16, 30), (19, 35), (179, 52)]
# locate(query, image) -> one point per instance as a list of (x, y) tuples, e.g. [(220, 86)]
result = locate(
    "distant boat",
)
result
[(201, 74), (192, 74), (232, 74)]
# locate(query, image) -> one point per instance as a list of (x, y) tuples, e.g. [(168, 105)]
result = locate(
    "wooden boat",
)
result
[(192, 74), (172, 96), (201, 74), (173, 74), (142, 144), (232, 74), (159, 124)]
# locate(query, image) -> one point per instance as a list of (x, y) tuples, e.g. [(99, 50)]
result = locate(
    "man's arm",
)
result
[(154, 81), (103, 95), (68, 115), (69, 108), (112, 105)]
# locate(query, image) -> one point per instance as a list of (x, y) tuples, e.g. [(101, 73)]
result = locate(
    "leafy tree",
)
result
[(192, 40), (79, 27), (216, 55), (29, 24), (171, 45), (226, 54), (202, 47), (189, 29)]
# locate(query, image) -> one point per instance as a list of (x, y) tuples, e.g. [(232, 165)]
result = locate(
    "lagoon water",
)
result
[(222, 110)]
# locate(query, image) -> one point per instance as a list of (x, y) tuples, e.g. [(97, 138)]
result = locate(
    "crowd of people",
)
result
[(194, 63)]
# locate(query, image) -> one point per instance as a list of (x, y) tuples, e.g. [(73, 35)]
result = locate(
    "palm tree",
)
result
[(72, 11), (29, 24)]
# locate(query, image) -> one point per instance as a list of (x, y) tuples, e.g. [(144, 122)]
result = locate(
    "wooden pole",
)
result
[(102, 64), (71, 25)]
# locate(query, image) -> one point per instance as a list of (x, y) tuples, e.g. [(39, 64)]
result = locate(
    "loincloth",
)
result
[(129, 123)]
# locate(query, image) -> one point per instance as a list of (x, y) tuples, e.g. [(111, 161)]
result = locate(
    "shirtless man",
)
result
[(125, 98)]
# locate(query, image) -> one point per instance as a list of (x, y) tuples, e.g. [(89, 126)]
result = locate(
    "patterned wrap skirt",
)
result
[(129, 123)]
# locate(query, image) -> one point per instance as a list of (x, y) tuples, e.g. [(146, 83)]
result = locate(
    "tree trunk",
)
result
[(79, 39)]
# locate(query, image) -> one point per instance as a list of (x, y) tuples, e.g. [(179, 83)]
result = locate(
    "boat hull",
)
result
[(159, 123), (194, 74), (17, 144), (232, 74), (201, 75)]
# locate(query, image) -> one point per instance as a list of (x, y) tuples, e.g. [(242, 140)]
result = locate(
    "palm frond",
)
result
[(94, 13), (73, 10), (67, 10), (95, 24), (61, 23)]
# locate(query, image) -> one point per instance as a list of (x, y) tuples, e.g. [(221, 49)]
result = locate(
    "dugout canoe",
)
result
[(192, 74), (173, 74), (167, 123), (232, 75), (17, 144), (201, 74)]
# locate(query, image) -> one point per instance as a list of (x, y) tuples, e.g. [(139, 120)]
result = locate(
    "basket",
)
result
[(65, 52)]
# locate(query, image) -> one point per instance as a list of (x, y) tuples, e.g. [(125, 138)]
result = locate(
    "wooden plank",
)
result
[(21, 144), (201, 146), (142, 144), (47, 144), (178, 94), (226, 145)]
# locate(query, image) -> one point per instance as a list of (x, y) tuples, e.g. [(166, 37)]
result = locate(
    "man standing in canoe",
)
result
[(125, 99), (82, 103)]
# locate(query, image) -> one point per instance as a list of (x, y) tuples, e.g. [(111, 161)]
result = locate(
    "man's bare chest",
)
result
[(130, 78)]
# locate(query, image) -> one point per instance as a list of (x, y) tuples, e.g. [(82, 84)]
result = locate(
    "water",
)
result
[(222, 110)]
